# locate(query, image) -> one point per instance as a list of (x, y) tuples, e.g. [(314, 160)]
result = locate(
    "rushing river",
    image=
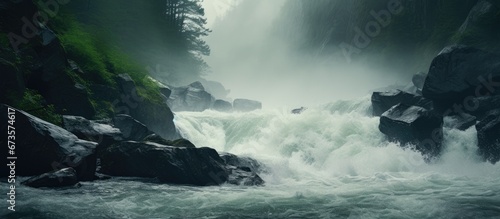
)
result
[(328, 162)]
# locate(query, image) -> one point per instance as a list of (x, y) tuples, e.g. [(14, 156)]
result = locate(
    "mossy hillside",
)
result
[(33, 103), (93, 49)]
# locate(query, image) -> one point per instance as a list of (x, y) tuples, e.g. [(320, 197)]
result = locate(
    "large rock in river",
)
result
[(488, 135), (193, 97), (243, 170), (130, 128), (195, 166), (177, 165), (42, 147), (222, 106), (459, 72), (156, 116), (415, 125), (58, 178), (383, 101), (90, 130)]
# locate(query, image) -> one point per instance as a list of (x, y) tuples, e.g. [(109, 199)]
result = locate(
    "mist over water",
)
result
[(253, 61), (330, 161)]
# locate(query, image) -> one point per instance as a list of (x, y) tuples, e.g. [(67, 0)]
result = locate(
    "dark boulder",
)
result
[(459, 72), (245, 105), (298, 110), (243, 170), (156, 116), (488, 135), (416, 125), (58, 178), (90, 130), (166, 91), (190, 98), (154, 138), (130, 128), (383, 101), (181, 142), (103, 134), (179, 165), (222, 106), (126, 84), (195, 166), (42, 147)]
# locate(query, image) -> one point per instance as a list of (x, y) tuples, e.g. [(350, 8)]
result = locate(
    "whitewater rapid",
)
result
[(337, 139), (331, 161)]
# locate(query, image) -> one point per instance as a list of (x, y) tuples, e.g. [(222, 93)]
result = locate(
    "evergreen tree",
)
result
[(187, 19)]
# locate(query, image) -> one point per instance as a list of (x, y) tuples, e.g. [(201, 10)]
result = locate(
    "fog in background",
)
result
[(254, 62)]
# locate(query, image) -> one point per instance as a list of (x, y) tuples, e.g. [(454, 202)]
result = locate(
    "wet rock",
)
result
[(175, 143), (91, 130), (459, 72), (42, 147), (243, 170), (298, 110), (58, 178), (195, 166), (416, 125), (156, 116), (383, 101), (190, 98), (222, 106), (166, 91), (130, 128), (126, 84), (179, 165)]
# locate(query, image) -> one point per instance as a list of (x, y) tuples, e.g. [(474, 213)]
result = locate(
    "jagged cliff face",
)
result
[(388, 32)]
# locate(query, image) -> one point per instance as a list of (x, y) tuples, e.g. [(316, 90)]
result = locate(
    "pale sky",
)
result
[(217, 9)]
